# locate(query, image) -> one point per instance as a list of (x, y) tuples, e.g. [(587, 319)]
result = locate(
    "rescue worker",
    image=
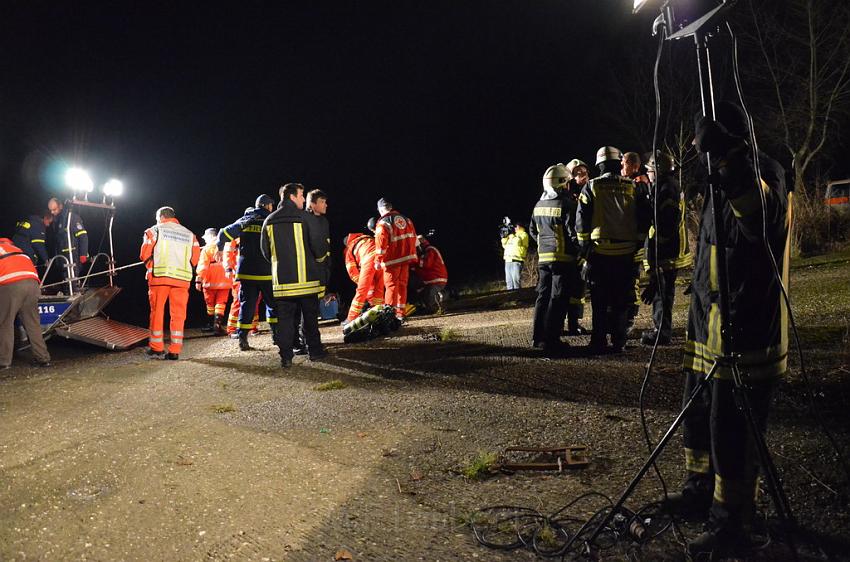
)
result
[(431, 272), (552, 228), (211, 279), (292, 246), (515, 246), (360, 263), (577, 287), (78, 252), (632, 167), (720, 457), (231, 253), (667, 248), (31, 236), (252, 270), (611, 221), (19, 292), (395, 249), (169, 251)]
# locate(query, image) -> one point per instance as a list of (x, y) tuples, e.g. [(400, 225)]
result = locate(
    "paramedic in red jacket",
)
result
[(395, 246)]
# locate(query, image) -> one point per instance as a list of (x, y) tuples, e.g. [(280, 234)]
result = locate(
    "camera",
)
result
[(507, 227)]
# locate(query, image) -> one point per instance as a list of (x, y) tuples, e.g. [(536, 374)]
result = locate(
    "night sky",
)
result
[(452, 110)]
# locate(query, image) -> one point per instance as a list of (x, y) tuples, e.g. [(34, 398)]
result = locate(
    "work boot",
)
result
[(243, 343), (218, 325), (556, 349), (300, 350), (318, 354), (648, 338), (172, 356), (576, 329), (720, 542), (285, 362), (208, 327), (692, 503), (151, 354)]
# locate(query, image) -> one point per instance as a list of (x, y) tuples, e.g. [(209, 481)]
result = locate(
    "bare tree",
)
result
[(803, 74)]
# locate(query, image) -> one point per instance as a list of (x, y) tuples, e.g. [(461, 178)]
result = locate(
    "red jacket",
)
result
[(15, 265), (359, 254), (431, 269), (395, 239), (210, 273)]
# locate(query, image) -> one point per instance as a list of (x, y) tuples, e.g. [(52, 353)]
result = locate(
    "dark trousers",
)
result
[(575, 308), (306, 307), (720, 452), (550, 309), (612, 292), (662, 304), (249, 293)]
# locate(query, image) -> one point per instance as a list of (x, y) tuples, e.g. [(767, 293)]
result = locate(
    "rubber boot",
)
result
[(209, 326), (218, 325)]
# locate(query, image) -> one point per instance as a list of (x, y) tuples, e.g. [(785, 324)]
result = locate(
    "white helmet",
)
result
[(556, 177), (573, 164), (608, 153)]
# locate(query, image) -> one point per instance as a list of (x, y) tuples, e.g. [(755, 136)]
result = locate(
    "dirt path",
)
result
[(222, 456)]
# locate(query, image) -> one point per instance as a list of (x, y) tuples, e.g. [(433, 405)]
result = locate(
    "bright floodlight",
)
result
[(78, 180), (113, 188)]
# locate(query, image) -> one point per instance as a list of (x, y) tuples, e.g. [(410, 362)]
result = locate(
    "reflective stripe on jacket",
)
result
[(289, 243), (515, 246), (251, 265), (15, 265), (169, 250), (359, 253), (395, 239), (30, 237), (432, 269), (613, 215), (552, 227), (671, 251), (758, 315)]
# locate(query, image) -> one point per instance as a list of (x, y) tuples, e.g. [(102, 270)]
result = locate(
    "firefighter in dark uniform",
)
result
[(252, 270), (667, 249), (611, 224), (720, 458), (553, 229), (78, 252), (575, 309), (31, 237)]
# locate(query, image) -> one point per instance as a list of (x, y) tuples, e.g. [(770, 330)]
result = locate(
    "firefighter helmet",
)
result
[(556, 177), (608, 153), (661, 163), (573, 164), (263, 200)]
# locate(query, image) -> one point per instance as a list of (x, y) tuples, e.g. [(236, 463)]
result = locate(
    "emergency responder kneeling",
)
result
[(169, 251)]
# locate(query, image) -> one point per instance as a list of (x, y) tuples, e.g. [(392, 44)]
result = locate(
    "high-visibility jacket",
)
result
[(30, 237), (431, 268), (211, 271), (169, 251), (250, 265), (292, 247), (395, 239), (758, 315), (673, 251), (613, 215), (359, 253), (231, 255), (15, 265), (552, 228), (79, 234), (515, 246)]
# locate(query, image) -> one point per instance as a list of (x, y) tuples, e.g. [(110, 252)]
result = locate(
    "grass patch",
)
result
[(223, 408), (448, 334), (331, 385), (480, 466)]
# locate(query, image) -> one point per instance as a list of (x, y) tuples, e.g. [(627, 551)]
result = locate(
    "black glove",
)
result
[(651, 290), (713, 137)]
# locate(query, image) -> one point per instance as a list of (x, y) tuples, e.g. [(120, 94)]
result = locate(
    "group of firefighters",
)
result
[(597, 232)]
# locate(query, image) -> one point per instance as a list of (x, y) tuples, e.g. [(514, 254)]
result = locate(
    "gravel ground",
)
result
[(224, 456)]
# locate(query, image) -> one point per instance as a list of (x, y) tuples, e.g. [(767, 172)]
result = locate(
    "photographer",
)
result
[(515, 245)]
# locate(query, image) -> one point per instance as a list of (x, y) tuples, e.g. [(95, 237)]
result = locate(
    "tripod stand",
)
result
[(728, 360)]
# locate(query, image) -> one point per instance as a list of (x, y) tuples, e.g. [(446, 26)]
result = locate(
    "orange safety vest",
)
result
[(15, 265)]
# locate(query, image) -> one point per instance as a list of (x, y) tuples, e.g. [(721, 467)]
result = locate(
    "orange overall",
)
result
[(360, 264), (213, 280), (167, 279), (395, 246)]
